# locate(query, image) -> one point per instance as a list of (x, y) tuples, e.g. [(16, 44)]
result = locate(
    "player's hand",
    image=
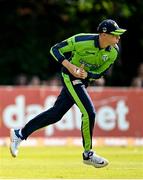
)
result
[(78, 72), (81, 73)]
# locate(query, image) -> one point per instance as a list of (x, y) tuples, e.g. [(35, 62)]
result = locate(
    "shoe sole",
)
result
[(12, 153), (95, 165), (11, 135)]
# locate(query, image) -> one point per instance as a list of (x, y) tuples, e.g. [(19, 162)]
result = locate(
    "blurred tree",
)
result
[(30, 27)]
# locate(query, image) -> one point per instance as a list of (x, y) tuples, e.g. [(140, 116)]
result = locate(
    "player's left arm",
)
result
[(101, 71)]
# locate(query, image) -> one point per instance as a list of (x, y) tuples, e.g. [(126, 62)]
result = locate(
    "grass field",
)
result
[(66, 162)]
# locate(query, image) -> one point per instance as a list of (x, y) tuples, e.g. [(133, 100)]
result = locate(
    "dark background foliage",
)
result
[(28, 28)]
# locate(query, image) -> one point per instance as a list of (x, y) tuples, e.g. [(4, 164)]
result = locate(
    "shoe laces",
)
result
[(16, 140), (95, 158)]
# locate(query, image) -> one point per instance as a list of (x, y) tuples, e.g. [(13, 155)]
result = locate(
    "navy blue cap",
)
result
[(111, 27)]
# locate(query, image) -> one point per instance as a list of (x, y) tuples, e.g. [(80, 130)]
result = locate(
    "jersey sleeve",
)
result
[(93, 75), (58, 51)]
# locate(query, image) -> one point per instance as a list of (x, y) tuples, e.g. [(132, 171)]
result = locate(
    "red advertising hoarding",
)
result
[(119, 111)]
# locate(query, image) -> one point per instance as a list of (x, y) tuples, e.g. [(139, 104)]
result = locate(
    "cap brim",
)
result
[(118, 32)]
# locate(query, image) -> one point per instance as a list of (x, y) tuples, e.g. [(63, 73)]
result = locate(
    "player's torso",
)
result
[(92, 57)]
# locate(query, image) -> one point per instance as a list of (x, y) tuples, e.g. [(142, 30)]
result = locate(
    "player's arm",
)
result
[(58, 52), (101, 71), (93, 76)]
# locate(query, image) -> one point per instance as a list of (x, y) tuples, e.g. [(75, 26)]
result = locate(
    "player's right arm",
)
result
[(78, 72), (58, 51)]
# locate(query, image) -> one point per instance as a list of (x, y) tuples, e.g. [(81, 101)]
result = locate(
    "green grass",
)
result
[(66, 162)]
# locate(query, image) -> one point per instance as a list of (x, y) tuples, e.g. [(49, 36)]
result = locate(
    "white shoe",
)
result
[(15, 141), (90, 158)]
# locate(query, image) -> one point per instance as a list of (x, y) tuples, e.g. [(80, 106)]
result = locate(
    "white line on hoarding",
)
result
[(62, 179)]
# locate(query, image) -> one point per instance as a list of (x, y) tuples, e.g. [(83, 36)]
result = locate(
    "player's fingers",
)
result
[(82, 66), (83, 75)]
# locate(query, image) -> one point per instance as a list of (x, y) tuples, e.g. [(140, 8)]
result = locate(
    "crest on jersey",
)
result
[(104, 57)]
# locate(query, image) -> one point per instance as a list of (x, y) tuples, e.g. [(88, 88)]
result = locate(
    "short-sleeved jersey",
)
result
[(85, 49)]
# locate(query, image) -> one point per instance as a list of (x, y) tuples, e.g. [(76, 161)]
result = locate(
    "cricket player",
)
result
[(84, 57)]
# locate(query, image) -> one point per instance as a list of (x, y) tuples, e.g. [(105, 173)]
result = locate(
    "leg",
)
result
[(83, 101), (63, 103)]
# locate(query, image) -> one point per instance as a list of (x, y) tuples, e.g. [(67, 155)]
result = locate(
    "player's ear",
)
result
[(103, 34)]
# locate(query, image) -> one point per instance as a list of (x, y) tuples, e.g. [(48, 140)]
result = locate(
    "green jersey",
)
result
[(84, 49)]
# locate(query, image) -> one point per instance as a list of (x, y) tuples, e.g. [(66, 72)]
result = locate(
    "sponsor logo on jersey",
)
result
[(92, 67)]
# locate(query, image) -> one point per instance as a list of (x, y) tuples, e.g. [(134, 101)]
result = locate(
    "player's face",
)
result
[(112, 39)]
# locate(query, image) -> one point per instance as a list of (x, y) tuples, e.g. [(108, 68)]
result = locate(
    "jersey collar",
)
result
[(96, 43)]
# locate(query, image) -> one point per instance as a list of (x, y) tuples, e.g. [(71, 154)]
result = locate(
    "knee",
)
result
[(90, 115)]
